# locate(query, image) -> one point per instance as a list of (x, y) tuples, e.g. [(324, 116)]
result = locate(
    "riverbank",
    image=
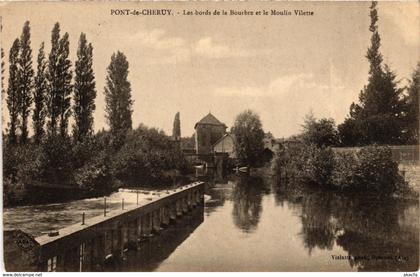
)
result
[(370, 170)]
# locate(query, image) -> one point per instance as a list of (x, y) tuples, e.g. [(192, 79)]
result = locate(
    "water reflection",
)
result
[(377, 234), (247, 198)]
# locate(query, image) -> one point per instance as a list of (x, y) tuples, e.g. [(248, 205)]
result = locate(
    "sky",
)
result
[(282, 67)]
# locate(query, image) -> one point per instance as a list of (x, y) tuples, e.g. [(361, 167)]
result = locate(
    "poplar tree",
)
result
[(39, 113), (12, 99), (53, 81), (65, 75), (26, 75), (176, 131), (59, 79), (84, 91), (118, 96)]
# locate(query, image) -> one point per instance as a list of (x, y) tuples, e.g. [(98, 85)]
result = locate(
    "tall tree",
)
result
[(118, 95), (377, 118), (176, 130), (249, 137), (39, 113), (412, 107), (65, 81), (84, 91), (12, 92), (59, 79), (26, 75)]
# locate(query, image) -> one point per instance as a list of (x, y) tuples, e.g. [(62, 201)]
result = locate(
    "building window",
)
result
[(52, 264)]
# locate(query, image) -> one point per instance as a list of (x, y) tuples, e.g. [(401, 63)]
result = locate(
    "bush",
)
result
[(343, 175), (148, 157), (376, 171), (95, 175), (57, 160), (319, 165), (371, 170)]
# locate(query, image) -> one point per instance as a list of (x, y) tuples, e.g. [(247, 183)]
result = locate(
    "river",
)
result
[(250, 224)]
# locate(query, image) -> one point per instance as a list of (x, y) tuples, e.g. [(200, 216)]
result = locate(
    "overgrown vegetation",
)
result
[(370, 170), (147, 157), (53, 165)]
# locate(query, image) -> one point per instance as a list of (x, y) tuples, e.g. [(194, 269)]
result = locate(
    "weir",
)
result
[(95, 242)]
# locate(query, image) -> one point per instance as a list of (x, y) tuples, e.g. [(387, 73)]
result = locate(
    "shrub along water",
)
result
[(370, 170)]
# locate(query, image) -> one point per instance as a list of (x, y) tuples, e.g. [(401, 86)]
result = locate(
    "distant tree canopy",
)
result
[(378, 117), (249, 137), (118, 96), (322, 132), (176, 131)]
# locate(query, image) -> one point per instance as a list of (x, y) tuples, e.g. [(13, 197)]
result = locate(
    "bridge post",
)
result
[(184, 205), (172, 212), (178, 208), (146, 228), (165, 216), (156, 220)]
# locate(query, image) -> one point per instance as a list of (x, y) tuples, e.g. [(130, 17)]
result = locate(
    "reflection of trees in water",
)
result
[(318, 228), (361, 226), (247, 198), (373, 227), (384, 254)]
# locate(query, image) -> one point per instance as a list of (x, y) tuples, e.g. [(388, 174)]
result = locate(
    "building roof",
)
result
[(224, 137), (209, 120)]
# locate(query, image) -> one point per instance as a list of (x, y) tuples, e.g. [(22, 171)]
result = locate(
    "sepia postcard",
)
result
[(148, 136)]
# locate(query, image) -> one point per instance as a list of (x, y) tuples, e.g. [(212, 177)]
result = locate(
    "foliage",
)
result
[(92, 163), (378, 117), (412, 108), (188, 142), (176, 131), (2, 72), (375, 171), (370, 170), (84, 91), (57, 160), (249, 137), (59, 80), (26, 74), (146, 156), (118, 97), (12, 99), (40, 90), (322, 132)]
